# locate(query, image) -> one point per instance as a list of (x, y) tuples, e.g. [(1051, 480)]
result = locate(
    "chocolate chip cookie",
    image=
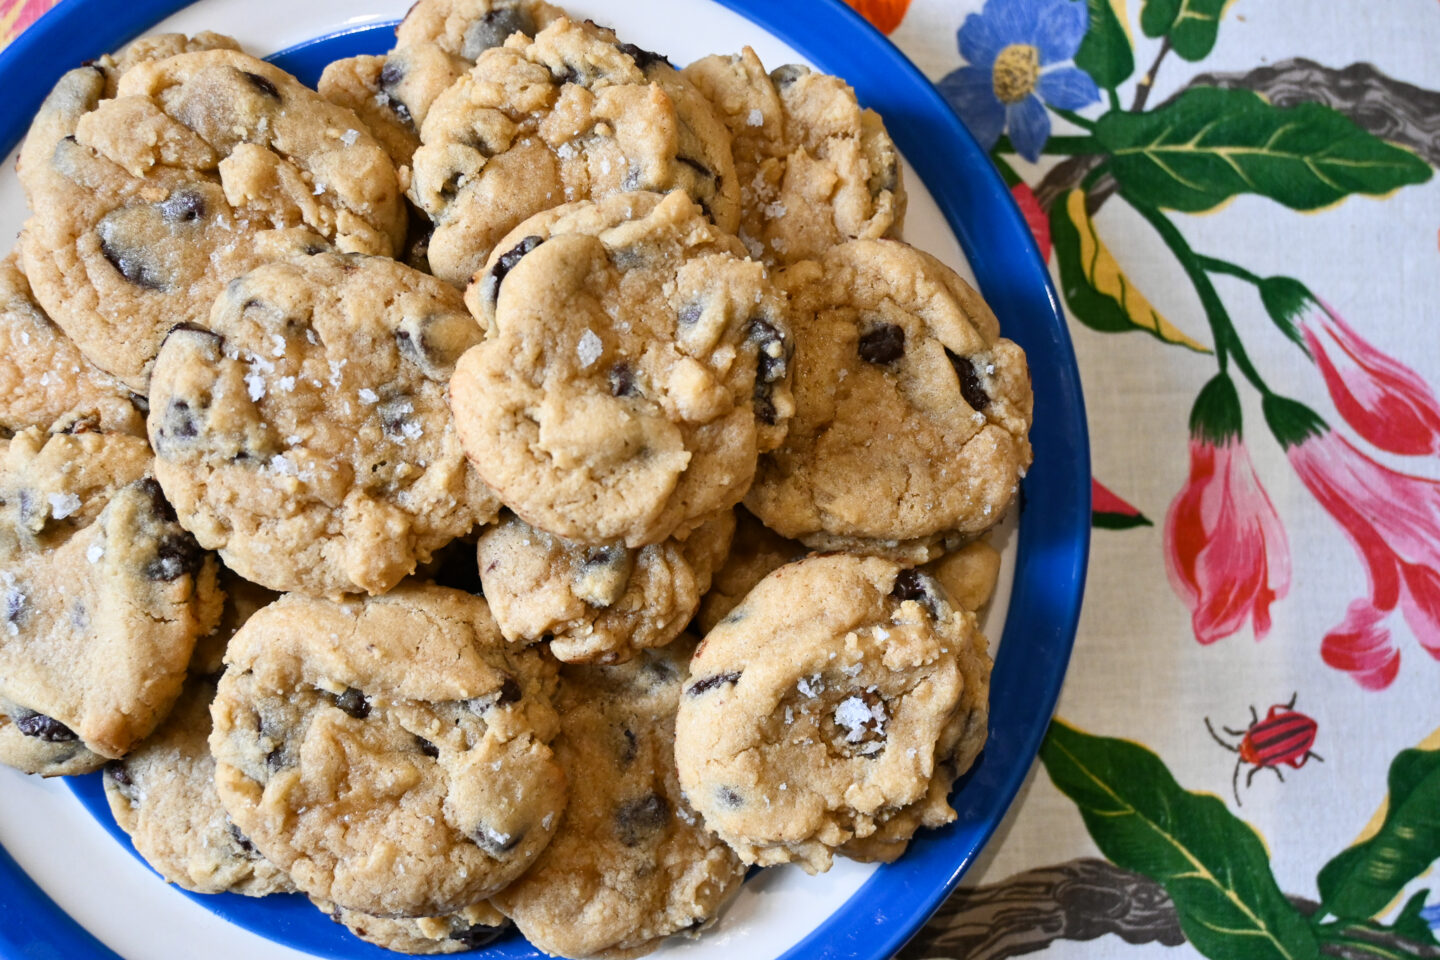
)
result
[(103, 597), (636, 363), (44, 380), (826, 705), (597, 604), (631, 863), (912, 413), (163, 795), (815, 169), (305, 434), (389, 753), (194, 169), (436, 43), (574, 114)]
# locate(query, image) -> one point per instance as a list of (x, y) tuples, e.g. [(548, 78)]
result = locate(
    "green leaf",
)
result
[(1119, 521), (1105, 52), (1191, 25), (1215, 418), (1363, 880), (1209, 145), (1411, 925), (1096, 290), (1212, 864)]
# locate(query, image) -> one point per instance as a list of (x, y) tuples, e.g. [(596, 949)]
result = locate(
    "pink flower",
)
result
[(1225, 549), (1393, 519), (1385, 401), (1224, 546)]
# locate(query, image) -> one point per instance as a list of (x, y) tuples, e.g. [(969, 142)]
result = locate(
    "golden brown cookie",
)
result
[(389, 753)]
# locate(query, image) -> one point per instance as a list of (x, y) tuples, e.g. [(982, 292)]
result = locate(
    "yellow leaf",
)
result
[(1105, 275)]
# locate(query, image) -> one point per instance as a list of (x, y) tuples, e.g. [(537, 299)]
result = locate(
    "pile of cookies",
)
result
[(374, 467)]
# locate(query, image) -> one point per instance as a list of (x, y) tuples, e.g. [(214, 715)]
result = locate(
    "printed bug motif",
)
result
[(1284, 736)]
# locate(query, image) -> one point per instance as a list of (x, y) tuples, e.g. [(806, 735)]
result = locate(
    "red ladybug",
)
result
[(1284, 736)]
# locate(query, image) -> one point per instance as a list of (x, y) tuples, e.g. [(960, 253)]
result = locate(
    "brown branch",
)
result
[(1089, 898), (1147, 83)]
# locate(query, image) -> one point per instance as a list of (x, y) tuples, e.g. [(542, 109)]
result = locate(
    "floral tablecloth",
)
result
[(1238, 203)]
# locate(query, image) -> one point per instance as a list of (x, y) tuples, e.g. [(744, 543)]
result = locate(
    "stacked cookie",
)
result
[(370, 452)]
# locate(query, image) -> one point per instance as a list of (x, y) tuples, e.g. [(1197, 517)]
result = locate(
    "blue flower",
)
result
[(1018, 51)]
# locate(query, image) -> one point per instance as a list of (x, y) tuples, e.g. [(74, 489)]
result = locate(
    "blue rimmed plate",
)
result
[(69, 884)]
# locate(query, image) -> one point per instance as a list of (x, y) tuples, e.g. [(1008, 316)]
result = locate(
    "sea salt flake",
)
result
[(349, 137), (852, 714), (368, 395), (755, 118), (809, 688), (277, 345), (284, 466), (589, 349), (255, 384), (94, 552), (411, 430), (286, 384), (63, 504)]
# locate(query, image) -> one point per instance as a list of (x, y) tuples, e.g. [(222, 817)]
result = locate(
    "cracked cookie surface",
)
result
[(597, 604), (573, 115), (104, 595), (815, 169), (828, 706), (389, 753), (44, 380), (235, 164), (636, 363), (631, 864), (912, 412), (305, 434)]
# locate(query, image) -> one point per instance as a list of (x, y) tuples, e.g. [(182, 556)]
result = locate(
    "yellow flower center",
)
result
[(1016, 70)]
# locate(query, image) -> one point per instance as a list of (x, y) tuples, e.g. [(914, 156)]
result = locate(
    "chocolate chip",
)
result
[(177, 555), (638, 820), (480, 935), (494, 842), (729, 799), (276, 759), (622, 381), (129, 263), (706, 684), (85, 424), (505, 264), (494, 28), (177, 423), (243, 842), (920, 587), (395, 419), (391, 74), (116, 771), (627, 753), (261, 84), (510, 691), (45, 728), (882, 344), (182, 206), (690, 314), (643, 58), (782, 77), (17, 607), (970, 387), (150, 487), (354, 702), (698, 167), (398, 108), (568, 75), (772, 361), (427, 748)]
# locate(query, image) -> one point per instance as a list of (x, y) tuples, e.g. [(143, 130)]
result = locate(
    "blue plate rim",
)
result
[(1055, 497)]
